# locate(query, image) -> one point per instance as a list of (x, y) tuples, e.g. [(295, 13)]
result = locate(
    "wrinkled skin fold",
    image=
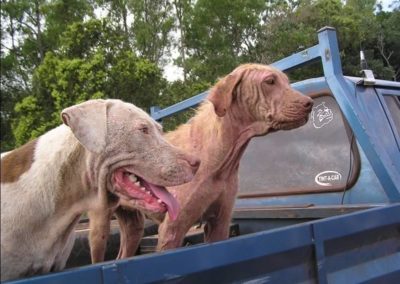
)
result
[(253, 100)]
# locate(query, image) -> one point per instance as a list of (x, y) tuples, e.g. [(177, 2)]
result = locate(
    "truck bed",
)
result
[(360, 247)]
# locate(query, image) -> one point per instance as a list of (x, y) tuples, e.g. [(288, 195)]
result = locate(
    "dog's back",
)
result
[(29, 181)]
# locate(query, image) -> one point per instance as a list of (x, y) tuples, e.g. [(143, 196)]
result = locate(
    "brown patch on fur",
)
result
[(17, 162)]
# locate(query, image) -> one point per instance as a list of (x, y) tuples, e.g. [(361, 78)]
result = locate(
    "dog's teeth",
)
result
[(137, 184), (132, 178), (142, 189), (159, 201), (148, 192)]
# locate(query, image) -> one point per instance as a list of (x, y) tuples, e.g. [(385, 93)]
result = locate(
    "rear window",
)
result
[(393, 104), (320, 156)]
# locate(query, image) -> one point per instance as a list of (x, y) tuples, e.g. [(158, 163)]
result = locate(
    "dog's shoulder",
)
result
[(18, 161), (43, 149)]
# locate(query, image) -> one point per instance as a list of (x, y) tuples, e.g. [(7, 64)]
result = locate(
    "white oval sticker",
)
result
[(326, 178)]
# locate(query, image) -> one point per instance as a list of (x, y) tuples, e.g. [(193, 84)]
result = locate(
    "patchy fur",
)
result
[(251, 101), (48, 183)]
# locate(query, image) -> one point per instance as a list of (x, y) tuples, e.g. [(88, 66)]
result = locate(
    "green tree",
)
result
[(59, 14), (176, 92), (152, 24), (21, 50), (284, 31), (184, 11), (55, 52), (354, 21), (388, 40), (118, 12), (29, 30), (87, 65), (222, 35)]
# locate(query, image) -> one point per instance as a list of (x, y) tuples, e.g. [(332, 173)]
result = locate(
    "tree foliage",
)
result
[(86, 66), (222, 35), (55, 53)]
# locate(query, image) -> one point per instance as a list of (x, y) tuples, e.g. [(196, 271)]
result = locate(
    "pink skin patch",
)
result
[(153, 197)]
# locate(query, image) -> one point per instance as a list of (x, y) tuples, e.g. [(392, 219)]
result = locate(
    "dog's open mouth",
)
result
[(153, 197)]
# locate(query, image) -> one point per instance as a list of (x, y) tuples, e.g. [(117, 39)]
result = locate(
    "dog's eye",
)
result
[(270, 81), (144, 129)]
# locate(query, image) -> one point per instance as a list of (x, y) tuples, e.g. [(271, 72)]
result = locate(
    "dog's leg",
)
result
[(217, 223), (99, 232), (219, 214), (131, 224), (172, 233)]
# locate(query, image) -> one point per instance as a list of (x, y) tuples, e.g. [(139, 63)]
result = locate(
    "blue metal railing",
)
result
[(360, 247), (294, 61)]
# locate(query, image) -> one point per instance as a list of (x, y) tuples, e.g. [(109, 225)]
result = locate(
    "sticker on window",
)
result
[(327, 178), (321, 115)]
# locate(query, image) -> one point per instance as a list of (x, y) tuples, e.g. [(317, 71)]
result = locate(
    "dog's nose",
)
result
[(308, 103)]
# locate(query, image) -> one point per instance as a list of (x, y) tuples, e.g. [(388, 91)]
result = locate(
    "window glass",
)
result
[(315, 157), (393, 104)]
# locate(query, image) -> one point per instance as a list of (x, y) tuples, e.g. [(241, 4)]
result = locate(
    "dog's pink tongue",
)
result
[(167, 198)]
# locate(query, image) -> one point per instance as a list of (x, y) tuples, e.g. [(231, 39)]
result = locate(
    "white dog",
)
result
[(106, 149)]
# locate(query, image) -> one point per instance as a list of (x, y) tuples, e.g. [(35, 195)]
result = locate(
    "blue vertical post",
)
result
[(384, 168)]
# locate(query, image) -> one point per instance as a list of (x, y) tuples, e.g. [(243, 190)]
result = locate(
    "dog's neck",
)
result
[(66, 164), (226, 138), (237, 134), (84, 177), (78, 185)]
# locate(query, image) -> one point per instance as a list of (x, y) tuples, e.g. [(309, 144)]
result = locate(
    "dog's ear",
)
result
[(88, 122), (221, 94)]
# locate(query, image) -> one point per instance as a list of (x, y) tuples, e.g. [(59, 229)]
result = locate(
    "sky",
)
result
[(385, 4)]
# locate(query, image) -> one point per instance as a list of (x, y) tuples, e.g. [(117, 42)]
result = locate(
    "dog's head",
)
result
[(261, 93), (134, 161)]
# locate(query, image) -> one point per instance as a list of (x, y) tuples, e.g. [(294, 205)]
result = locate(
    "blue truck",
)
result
[(322, 207)]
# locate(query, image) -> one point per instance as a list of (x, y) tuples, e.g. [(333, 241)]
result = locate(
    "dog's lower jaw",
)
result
[(288, 125), (142, 194), (260, 128)]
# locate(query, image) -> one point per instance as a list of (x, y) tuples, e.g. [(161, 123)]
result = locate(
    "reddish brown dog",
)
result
[(251, 101)]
